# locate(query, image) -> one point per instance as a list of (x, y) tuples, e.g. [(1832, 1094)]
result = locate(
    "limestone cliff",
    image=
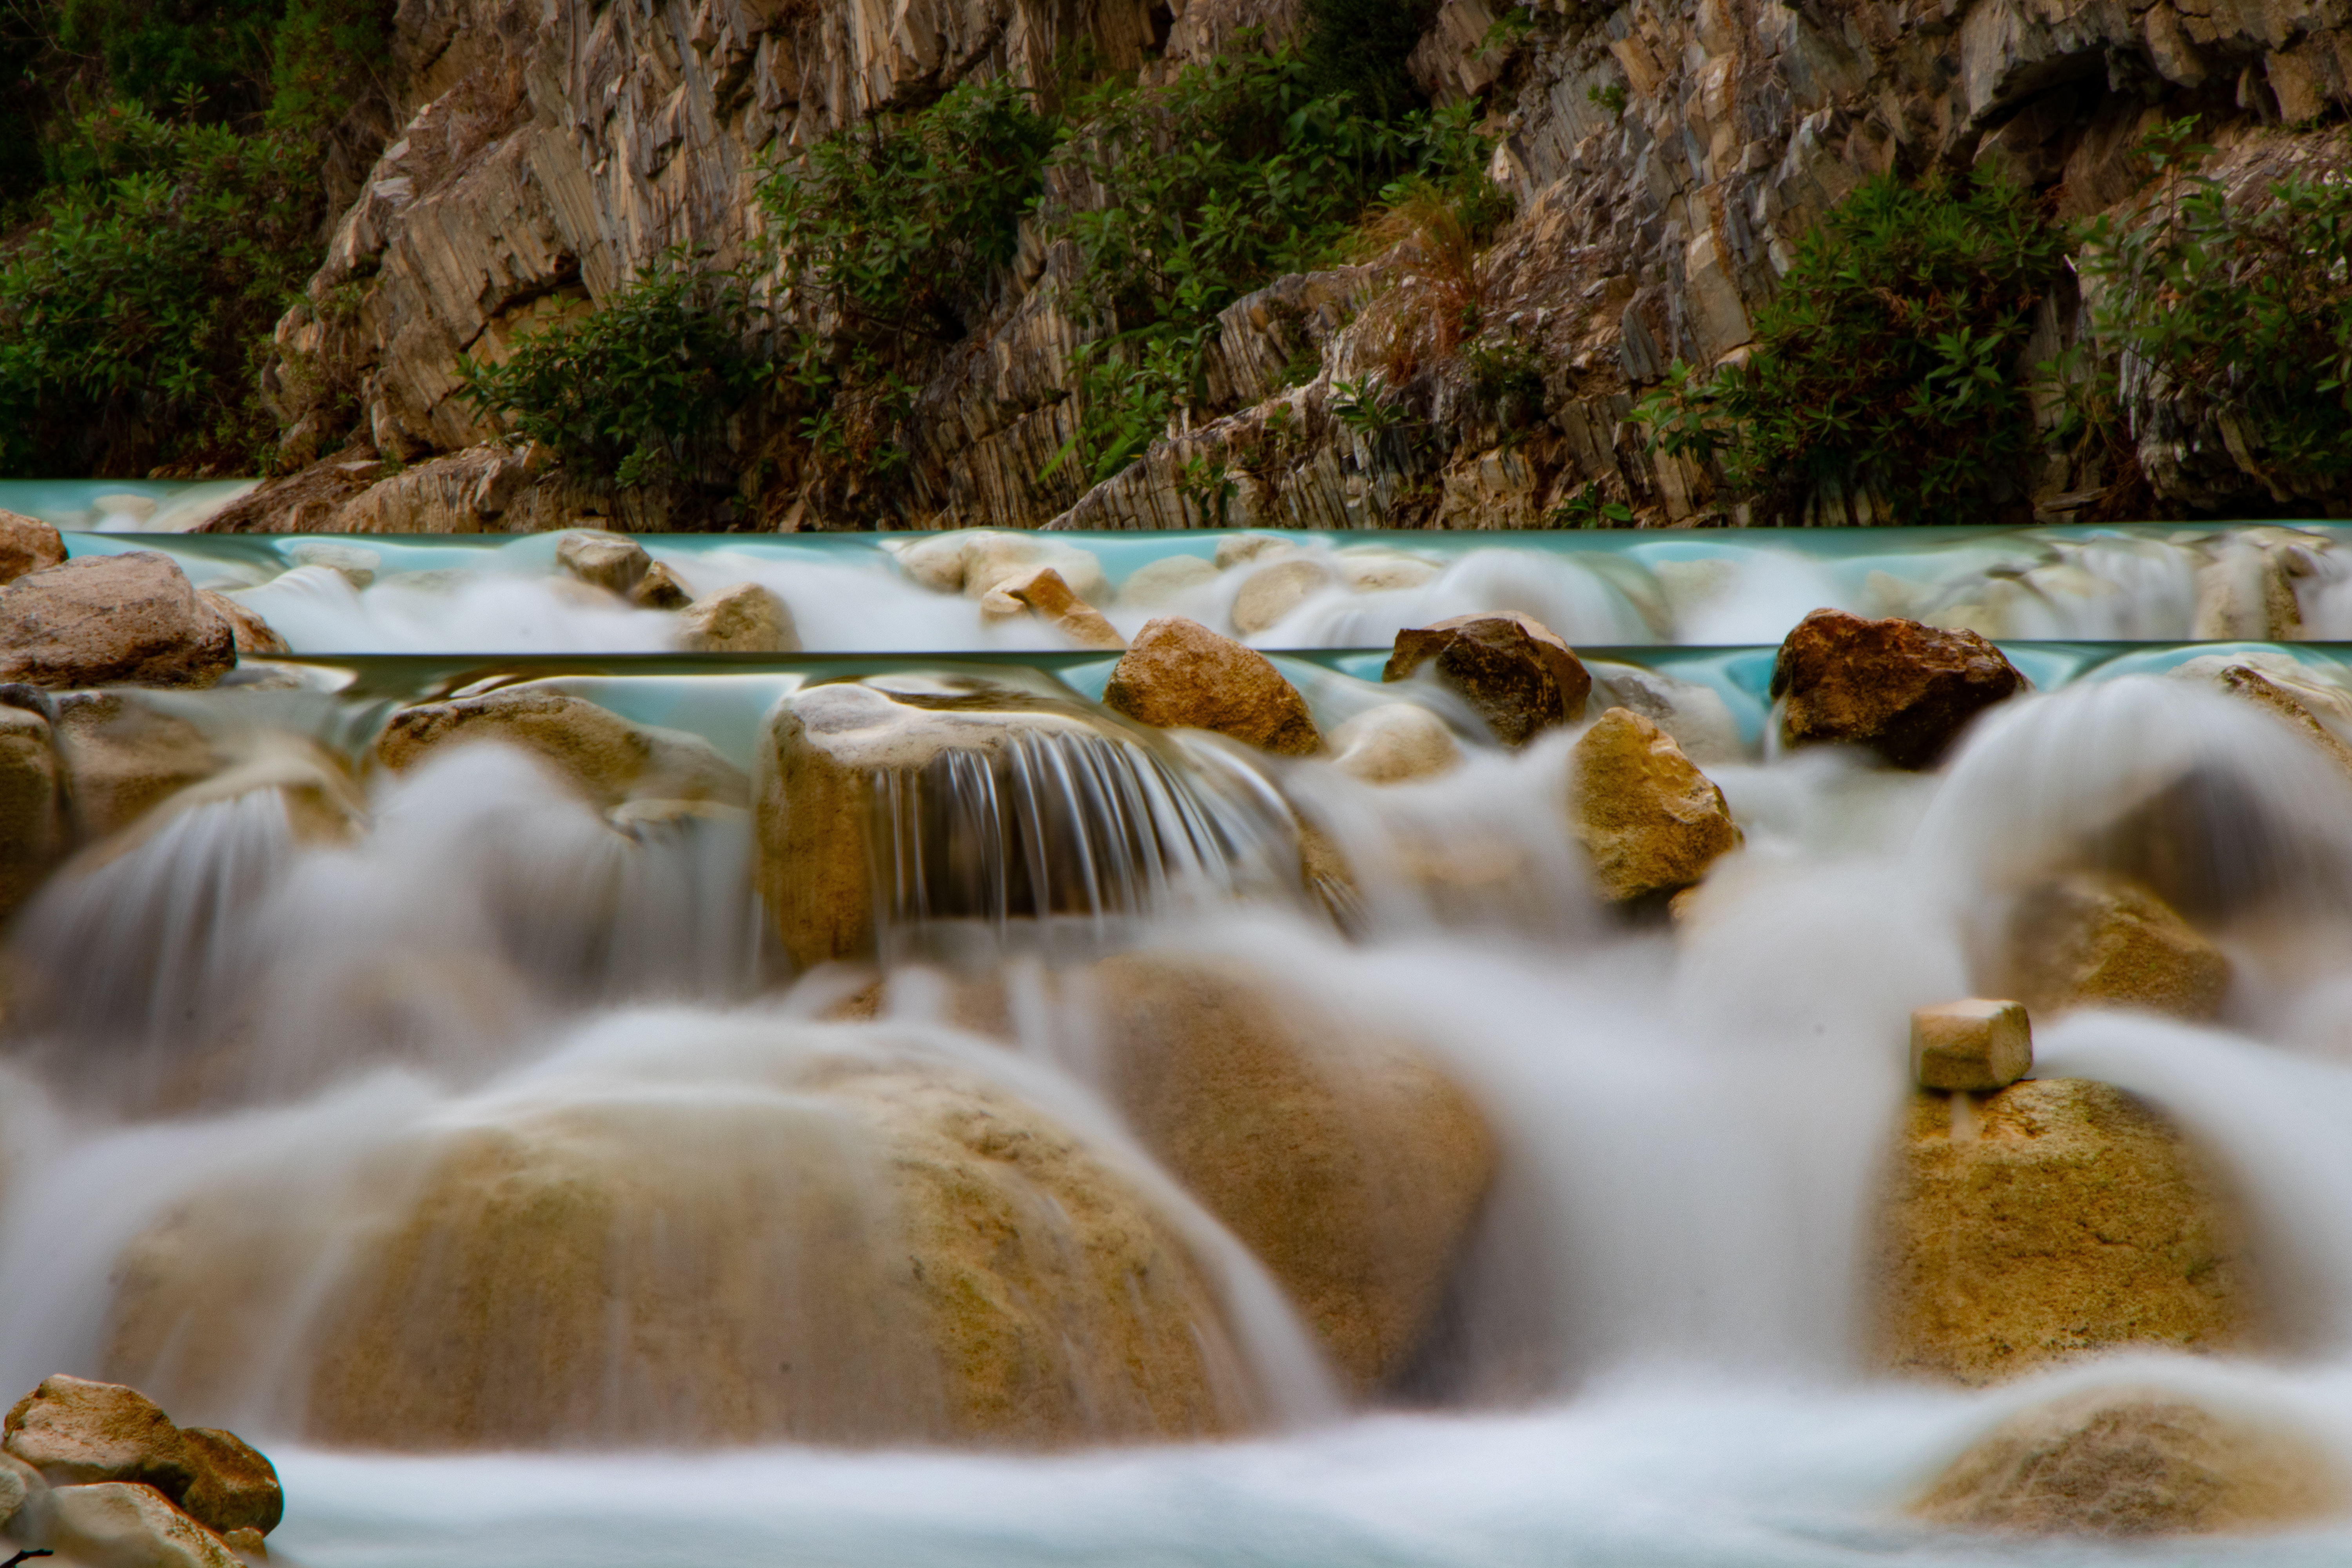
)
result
[(1665, 155)]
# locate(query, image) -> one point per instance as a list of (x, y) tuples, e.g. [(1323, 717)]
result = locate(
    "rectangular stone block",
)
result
[(1977, 1044)]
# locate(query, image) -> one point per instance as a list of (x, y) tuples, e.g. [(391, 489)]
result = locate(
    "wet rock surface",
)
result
[(605, 757), (27, 544), (1903, 689), (1650, 823), (107, 1478), (2088, 939), (1178, 674), (1975, 1046), (612, 561), (745, 618), (1395, 742), (104, 620), (1511, 670)]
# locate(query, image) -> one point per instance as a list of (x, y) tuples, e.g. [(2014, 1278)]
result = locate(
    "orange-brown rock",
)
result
[(2089, 940), (27, 544), (1041, 591), (1650, 822), (1514, 673), (1903, 689), (103, 620), (1178, 674)]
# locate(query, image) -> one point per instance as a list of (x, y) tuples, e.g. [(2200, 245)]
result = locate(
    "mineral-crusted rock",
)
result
[(103, 620), (1179, 674), (1650, 822), (27, 544), (1393, 743), (1515, 674), (605, 757), (1348, 1162), (1039, 590), (613, 561), (1903, 689), (2130, 1462), (2056, 1218), (745, 618), (2092, 941), (1976, 1045)]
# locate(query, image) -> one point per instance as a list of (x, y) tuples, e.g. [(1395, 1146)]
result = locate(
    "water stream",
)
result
[(249, 1037)]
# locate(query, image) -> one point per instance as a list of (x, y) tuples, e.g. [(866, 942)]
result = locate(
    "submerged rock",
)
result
[(613, 561), (1514, 672), (1650, 822), (1042, 590), (2055, 1219), (813, 1248), (1178, 674), (2129, 1462), (605, 757), (745, 618), (1348, 1161), (660, 589), (104, 620), (1395, 743), (1976, 1045), (1903, 689), (1273, 591), (122, 757), (2090, 940), (27, 544), (978, 560)]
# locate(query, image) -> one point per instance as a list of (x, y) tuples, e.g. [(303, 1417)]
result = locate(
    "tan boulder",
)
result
[(1273, 589), (1178, 674), (252, 635), (122, 1524), (1394, 744), (27, 544), (1903, 689), (613, 561), (234, 1487), (123, 756), (1169, 577), (2089, 940), (1348, 1161), (2055, 1219), (745, 618), (813, 1247), (74, 1430), (2130, 1462), (105, 620), (32, 807), (1650, 822), (1976, 1045), (607, 758), (1512, 670), (1041, 591), (660, 589)]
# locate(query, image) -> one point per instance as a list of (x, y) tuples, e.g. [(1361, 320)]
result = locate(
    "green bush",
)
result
[(2244, 309), (641, 387), (135, 313), (1359, 47), (1886, 360)]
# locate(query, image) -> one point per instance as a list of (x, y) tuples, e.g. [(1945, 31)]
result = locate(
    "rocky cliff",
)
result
[(1665, 156)]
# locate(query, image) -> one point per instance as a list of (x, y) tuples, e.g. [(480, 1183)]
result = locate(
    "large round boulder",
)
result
[(1178, 674), (1350, 1163), (608, 759), (2055, 1219), (105, 620), (1903, 689)]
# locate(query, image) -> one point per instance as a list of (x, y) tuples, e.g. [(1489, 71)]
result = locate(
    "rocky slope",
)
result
[(1665, 155)]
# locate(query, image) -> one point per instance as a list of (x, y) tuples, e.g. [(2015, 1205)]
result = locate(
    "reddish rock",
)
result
[(1899, 688), (1513, 671)]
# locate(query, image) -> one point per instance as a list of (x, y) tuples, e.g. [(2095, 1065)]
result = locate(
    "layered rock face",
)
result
[(1665, 156)]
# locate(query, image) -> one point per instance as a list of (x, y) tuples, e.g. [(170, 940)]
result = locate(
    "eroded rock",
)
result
[(1273, 589), (75, 1430), (1515, 674), (103, 620), (745, 618), (1178, 674), (1903, 689), (1650, 822), (2089, 940), (2055, 1219), (660, 589), (607, 758)]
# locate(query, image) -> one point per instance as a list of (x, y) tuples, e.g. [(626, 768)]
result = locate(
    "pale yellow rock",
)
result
[(1236, 549), (607, 758), (1648, 820), (1976, 1045), (612, 561), (27, 544), (745, 618), (2130, 1462), (1179, 674), (978, 559), (1381, 572), (1158, 582), (1348, 1161), (1272, 592), (1394, 744), (2055, 1219), (2091, 941), (75, 1430), (122, 1524)]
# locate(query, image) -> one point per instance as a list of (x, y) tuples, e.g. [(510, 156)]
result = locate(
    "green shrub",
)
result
[(1359, 47), (641, 387), (1886, 359), (136, 314), (2245, 309)]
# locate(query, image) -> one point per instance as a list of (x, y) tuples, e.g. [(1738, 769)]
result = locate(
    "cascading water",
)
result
[(413, 1121)]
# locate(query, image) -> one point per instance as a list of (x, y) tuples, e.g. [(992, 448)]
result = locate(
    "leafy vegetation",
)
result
[(2244, 311), (1885, 362)]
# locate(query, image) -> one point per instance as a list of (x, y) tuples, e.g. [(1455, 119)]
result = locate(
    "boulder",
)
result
[(1903, 689), (74, 1430), (779, 1242), (27, 544), (234, 1487), (1973, 1046), (123, 756), (2291, 703), (104, 620), (251, 634), (1169, 577), (32, 807), (1696, 716), (745, 618), (1379, 571), (122, 1524), (1395, 742), (2132, 1462), (1350, 1163), (1040, 590), (1650, 822), (1273, 589), (976, 560), (660, 589), (2091, 940), (1178, 674), (605, 757), (2055, 1219), (1514, 673), (613, 561)]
